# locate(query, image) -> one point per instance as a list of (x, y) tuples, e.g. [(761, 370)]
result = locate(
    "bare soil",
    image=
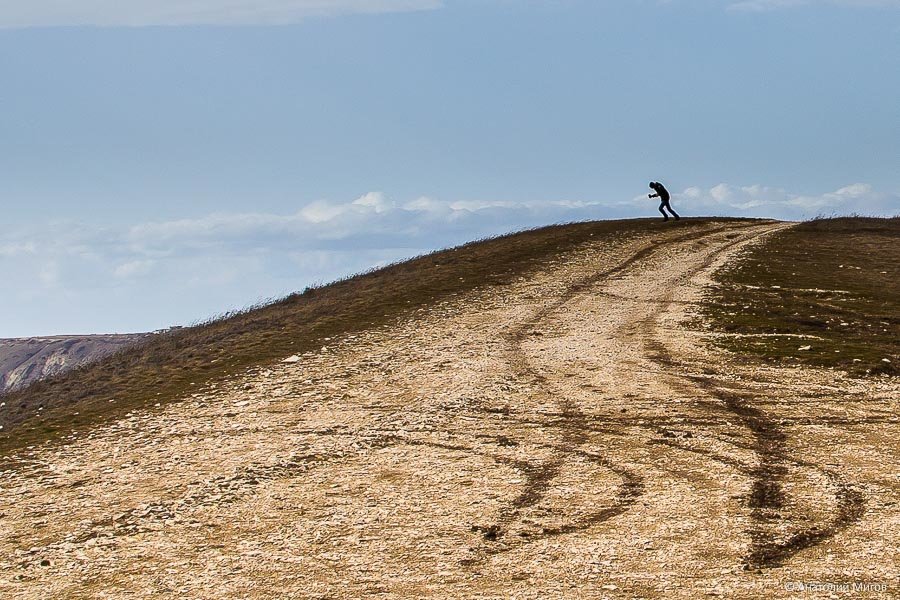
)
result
[(573, 433)]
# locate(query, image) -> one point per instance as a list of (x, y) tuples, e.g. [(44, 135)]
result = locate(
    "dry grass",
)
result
[(172, 365), (834, 281)]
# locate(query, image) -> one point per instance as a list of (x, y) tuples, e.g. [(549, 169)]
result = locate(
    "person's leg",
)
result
[(665, 216), (674, 214)]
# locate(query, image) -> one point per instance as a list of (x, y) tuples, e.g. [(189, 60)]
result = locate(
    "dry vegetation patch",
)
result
[(826, 292)]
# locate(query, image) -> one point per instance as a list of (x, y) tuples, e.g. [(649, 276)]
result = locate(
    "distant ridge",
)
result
[(26, 360)]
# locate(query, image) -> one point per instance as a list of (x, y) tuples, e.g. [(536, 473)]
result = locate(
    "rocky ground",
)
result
[(571, 435)]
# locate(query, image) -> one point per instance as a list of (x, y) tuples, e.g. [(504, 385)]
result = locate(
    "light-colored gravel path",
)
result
[(570, 435)]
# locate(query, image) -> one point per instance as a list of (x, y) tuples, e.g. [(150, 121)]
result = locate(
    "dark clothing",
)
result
[(663, 194), (665, 203)]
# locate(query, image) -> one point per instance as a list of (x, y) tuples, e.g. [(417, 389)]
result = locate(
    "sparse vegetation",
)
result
[(830, 284), (173, 364)]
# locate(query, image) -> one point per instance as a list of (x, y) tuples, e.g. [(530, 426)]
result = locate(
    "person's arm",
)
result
[(653, 195)]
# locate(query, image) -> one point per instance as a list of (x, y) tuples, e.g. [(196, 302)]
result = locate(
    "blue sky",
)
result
[(163, 161)]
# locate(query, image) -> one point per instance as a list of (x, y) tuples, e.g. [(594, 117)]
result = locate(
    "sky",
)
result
[(166, 161)]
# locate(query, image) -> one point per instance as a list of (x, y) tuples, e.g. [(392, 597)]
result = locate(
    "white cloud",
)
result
[(133, 268), (370, 221), (377, 201), (48, 274), (17, 249), (139, 13)]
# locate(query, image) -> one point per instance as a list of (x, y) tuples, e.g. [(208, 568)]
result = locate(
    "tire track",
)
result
[(573, 424), (766, 499)]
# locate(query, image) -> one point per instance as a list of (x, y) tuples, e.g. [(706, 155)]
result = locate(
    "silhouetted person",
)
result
[(663, 194)]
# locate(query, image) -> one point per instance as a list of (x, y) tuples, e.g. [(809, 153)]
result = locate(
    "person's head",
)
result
[(653, 185)]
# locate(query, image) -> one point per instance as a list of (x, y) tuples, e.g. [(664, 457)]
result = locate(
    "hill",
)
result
[(170, 365), (574, 411)]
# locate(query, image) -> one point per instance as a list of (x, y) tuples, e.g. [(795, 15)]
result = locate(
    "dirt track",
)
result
[(571, 435)]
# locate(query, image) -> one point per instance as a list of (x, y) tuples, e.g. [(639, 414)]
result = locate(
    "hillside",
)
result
[(565, 412), (26, 360), (173, 364)]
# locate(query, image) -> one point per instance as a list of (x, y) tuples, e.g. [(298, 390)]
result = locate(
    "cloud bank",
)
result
[(764, 201), (143, 13), (72, 278)]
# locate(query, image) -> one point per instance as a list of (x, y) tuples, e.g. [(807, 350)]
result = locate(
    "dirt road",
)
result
[(570, 435)]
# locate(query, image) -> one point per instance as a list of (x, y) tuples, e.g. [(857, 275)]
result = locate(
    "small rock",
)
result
[(805, 348), (45, 563), (291, 359)]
